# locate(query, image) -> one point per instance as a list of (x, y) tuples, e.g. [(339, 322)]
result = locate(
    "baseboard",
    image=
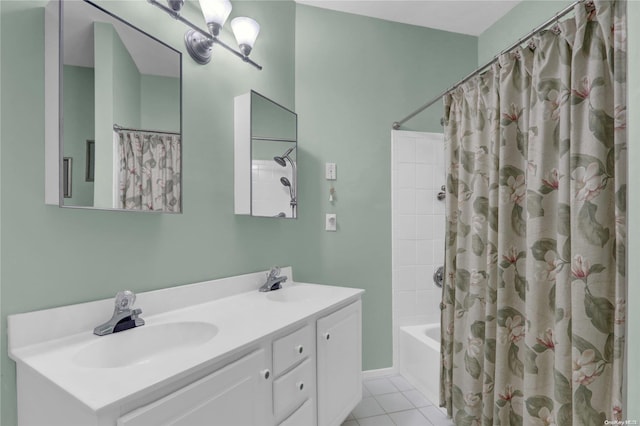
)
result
[(381, 372)]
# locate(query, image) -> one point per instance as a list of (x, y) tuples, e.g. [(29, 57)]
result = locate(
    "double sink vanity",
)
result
[(213, 353)]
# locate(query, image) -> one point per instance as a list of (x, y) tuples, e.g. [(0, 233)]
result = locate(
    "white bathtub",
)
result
[(419, 354)]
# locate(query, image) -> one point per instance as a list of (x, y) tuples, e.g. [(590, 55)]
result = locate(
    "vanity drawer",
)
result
[(303, 416), (293, 388), (292, 348)]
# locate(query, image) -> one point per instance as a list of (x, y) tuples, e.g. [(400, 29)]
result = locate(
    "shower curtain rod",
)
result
[(118, 128), (396, 125)]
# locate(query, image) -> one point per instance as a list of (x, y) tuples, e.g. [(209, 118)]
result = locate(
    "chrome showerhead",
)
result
[(280, 160)]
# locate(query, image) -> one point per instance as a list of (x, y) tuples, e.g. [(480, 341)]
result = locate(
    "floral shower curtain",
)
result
[(534, 297), (149, 174)]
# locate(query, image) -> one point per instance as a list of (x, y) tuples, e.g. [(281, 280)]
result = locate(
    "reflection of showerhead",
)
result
[(285, 182), (280, 160)]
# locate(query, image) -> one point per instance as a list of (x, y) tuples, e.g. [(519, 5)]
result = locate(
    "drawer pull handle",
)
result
[(300, 385), (299, 349), (266, 374), (327, 336)]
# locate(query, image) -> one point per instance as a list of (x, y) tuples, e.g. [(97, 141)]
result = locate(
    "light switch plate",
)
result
[(330, 171), (331, 222)]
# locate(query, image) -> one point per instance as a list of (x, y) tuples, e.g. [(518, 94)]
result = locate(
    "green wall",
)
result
[(78, 128), (160, 104), (53, 257), (355, 76), (118, 86), (515, 24), (105, 82), (126, 84), (521, 19), (269, 120)]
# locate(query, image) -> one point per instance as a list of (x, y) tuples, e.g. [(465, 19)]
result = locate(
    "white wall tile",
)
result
[(405, 226), (406, 175), (424, 201), (439, 155), (438, 252), (424, 176), (424, 227), (424, 152), (404, 150), (406, 303), (406, 252), (439, 227), (424, 252), (429, 301), (405, 201), (418, 228), (405, 278), (439, 206), (423, 277)]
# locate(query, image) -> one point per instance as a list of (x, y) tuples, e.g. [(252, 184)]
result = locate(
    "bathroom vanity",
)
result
[(212, 353)]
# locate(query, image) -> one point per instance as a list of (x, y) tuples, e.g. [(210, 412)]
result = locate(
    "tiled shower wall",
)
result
[(418, 217), (268, 196)]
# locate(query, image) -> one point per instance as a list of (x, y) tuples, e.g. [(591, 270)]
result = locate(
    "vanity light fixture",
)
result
[(199, 42)]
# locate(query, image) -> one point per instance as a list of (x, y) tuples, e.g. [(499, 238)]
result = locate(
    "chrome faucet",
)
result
[(274, 282), (123, 317)]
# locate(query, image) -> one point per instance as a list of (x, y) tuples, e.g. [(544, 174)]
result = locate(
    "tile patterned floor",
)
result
[(392, 401)]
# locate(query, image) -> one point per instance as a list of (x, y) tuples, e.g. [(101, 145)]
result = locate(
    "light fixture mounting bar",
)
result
[(235, 52), (176, 15)]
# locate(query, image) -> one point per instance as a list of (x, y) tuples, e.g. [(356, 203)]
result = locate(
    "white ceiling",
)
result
[(471, 17), (151, 57)]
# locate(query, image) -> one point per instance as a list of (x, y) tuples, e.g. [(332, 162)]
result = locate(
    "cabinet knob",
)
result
[(299, 349), (300, 385), (327, 336), (266, 374)]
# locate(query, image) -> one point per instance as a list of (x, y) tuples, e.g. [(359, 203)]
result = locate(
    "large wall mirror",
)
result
[(120, 114), (266, 178)]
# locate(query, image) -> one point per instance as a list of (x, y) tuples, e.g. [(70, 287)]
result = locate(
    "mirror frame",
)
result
[(243, 153), (54, 101)]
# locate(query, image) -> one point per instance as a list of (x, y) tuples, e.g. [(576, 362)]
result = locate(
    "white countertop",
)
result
[(241, 319)]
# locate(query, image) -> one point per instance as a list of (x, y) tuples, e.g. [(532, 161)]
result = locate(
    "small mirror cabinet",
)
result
[(265, 136)]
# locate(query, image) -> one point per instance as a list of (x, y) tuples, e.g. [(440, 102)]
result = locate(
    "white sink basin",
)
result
[(295, 293), (142, 344)]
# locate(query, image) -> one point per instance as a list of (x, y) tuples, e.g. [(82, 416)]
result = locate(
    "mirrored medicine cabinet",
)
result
[(114, 113), (265, 152)]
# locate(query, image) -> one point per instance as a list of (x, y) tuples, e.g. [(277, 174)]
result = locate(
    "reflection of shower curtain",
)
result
[(534, 299), (150, 174)]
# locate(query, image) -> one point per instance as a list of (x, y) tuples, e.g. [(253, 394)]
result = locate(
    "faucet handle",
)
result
[(275, 271), (125, 300)]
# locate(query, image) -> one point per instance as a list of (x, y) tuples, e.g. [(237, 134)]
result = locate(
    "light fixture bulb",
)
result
[(246, 31), (215, 14)]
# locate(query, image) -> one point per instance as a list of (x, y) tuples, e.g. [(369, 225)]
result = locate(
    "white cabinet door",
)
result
[(238, 394), (339, 358)]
